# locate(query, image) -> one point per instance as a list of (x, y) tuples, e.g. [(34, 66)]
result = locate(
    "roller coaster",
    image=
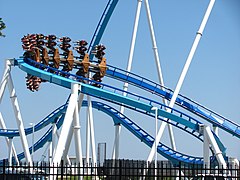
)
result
[(44, 63)]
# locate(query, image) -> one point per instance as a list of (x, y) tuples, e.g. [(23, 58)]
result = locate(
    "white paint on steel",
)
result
[(159, 70), (3, 126), (115, 154), (183, 74), (66, 127), (19, 120)]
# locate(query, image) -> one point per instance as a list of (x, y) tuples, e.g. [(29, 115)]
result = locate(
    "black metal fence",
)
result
[(116, 170)]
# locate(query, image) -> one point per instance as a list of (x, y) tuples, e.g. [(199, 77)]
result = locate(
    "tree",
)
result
[(2, 26)]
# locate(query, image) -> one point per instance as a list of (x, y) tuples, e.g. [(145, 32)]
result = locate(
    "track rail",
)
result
[(52, 117), (117, 117), (132, 100), (190, 105), (182, 101), (113, 94), (102, 24)]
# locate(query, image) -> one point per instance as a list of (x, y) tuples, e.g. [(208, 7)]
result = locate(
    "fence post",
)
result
[(180, 171), (120, 169), (4, 169), (62, 170), (161, 166)]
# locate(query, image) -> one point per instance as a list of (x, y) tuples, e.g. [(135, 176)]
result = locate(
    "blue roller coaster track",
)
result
[(186, 103), (136, 102), (57, 117), (132, 101), (101, 26), (196, 108)]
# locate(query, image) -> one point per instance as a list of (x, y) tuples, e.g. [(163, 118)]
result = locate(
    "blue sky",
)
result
[(213, 79)]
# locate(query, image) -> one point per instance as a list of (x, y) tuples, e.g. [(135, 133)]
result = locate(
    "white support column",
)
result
[(44, 153), (192, 52), (206, 144), (67, 146), (87, 137), (156, 145), (154, 44), (184, 72), (80, 100), (19, 120), (3, 84), (159, 70), (50, 153), (66, 124), (3, 126), (215, 130), (10, 152), (236, 162), (133, 41), (33, 131), (92, 134), (217, 151), (53, 144), (115, 154), (65, 157), (5, 78), (77, 132)]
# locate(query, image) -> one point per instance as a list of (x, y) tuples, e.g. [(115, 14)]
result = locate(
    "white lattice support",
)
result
[(159, 69), (53, 144), (156, 145), (3, 85), (50, 153), (66, 127), (115, 153), (67, 146), (216, 130), (206, 144), (5, 78), (236, 162), (208, 133), (19, 120), (44, 154), (154, 43), (91, 128), (3, 126), (77, 131), (87, 138), (184, 72), (65, 156), (10, 152), (192, 52)]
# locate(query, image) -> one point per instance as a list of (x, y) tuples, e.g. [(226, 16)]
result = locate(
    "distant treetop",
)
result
[(2, 26)]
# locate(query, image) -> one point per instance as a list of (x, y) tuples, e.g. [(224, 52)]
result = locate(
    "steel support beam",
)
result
[(66, 127), (183, 74)]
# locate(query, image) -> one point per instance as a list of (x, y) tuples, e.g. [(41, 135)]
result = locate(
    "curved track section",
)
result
[(57, 116), (192, 106), (111, 94), (188, 104), (117, 117), (209, 115), (135, 102), (51, 118), (102, 24)]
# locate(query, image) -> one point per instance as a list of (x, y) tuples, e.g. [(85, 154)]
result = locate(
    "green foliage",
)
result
[(2, 26)]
